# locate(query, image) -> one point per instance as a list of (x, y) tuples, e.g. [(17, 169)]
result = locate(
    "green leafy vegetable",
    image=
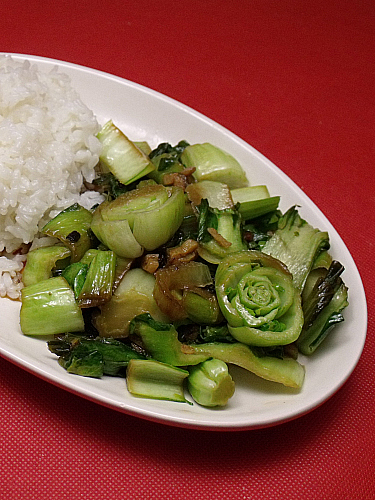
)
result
[(143, 218), (258, 299), (122, 157), (212, 163), (156, 380), (168, 285), (210, 383), (41, 262), (72, 228), (49, 308), (133, 296), (110, 185), (297, 244), (161, 341), (219, 233), (92, 357), (166, 159), (322, 307)]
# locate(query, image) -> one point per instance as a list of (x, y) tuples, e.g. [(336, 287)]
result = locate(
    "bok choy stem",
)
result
[(214, 164), (152, 379), (41, 261), (121, 156), (49, 307)]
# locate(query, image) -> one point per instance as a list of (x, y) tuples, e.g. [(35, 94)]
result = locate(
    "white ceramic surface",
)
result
[(144, 114)]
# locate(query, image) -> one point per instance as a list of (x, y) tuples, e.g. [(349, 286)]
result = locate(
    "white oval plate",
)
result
[(144, 114)]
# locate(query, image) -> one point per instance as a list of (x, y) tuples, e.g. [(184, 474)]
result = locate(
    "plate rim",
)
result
[(153, 415)]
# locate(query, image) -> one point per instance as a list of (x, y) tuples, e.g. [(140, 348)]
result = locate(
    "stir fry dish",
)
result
[(183, 270)]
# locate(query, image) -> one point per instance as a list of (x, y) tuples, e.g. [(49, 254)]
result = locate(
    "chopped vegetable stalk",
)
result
[(322, 307), (210, 383), (72, 228), (212, 163), (256, 208), (116, 235), (297, 244), (286, 371), (161, 341), (172, 287), (97, 287), (133, 296), (143, 218), (49, 307), (166, 160), (254, 201), (123, 265), (327, 283), (250, 193), (324, 259), (75, 274), (258, 299), (219, 233), (122, 157), (201, 306), (152, 379), (143, 146), (217, 194), (41, 261)]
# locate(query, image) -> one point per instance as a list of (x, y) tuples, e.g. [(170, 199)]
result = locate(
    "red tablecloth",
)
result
[(294, 79)]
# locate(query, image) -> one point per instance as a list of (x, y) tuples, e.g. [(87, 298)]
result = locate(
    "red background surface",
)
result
[(295, 79)]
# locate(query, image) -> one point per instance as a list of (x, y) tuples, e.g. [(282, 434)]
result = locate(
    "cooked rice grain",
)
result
[(48, 145), (10, 276)]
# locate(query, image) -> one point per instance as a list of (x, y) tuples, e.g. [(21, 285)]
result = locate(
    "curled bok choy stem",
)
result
[(210, 383), (258, 299), (143, 218)]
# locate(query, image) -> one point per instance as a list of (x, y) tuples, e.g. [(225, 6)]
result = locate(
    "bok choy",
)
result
[(182, 271), (141, 219)]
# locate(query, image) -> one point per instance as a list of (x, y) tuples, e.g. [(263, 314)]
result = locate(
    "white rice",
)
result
[(48, 146)]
